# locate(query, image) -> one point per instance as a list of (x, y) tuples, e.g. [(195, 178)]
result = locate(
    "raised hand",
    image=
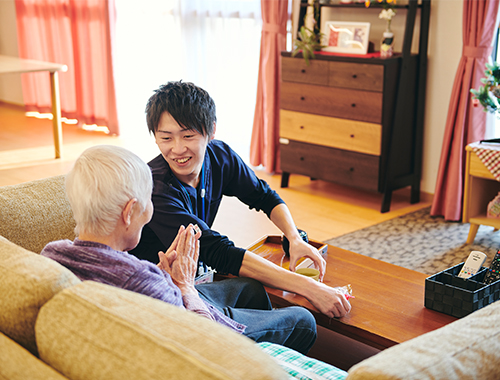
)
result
[(181, 259)]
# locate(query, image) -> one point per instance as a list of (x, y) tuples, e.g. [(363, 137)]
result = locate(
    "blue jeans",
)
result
[(245, 300)]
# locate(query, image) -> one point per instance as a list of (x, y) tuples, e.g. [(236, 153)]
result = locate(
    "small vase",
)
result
[(387, 45)]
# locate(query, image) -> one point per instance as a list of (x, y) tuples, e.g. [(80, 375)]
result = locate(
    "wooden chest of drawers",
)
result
[(338, 121)]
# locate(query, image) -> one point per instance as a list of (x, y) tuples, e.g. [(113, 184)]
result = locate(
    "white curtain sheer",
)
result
[(213, 43)]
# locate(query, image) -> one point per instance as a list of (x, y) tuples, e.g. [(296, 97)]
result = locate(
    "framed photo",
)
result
[(346, 37)]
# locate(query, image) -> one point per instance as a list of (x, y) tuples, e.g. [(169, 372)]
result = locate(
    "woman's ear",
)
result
[(128, 211)]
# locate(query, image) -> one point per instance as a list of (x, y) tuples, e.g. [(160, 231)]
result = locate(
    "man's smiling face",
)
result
[(183, 149)]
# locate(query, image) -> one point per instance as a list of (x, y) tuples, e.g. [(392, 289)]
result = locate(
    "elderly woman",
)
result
[(109, 189)]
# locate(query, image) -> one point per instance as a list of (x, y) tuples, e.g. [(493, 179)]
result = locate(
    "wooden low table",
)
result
[(388, 307)]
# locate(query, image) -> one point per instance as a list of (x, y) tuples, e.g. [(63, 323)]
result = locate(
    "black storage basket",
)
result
[(447, 293)]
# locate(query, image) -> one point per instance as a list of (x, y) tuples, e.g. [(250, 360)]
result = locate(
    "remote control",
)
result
[(473, 264), (493, 273)]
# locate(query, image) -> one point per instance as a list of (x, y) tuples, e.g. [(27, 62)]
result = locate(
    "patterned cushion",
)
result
[(27, 281), (299, 366), (35, 213), (468, 348), (95, 331), (18, 364)]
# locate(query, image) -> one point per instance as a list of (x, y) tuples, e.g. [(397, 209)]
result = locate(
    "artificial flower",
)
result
[(387, 14)]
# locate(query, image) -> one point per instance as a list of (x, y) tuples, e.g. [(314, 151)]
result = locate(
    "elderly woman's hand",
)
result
[(181, 259)]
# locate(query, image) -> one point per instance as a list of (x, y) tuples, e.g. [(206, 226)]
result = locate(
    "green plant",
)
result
[(309, 40), (489, 94)]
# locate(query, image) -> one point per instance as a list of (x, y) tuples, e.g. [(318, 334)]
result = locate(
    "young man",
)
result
[(193, 173), (109, 190)]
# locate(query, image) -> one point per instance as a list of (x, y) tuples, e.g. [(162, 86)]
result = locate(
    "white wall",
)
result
[(445, 47), (10, 84), (445, 50)]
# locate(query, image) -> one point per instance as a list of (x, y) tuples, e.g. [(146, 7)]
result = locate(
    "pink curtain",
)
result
[(265, 133), (465, 123), (80, 34)]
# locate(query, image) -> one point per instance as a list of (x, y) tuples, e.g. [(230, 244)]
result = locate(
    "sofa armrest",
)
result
[(16, 363), (35, 213), (96, 331), (468, 348)]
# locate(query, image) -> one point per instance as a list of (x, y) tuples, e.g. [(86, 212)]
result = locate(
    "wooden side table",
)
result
[(9, 65), (480, 188)]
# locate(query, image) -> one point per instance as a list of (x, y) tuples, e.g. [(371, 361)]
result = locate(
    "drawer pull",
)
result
[(302, 127), (303, 70), (354, 76), (302, 158), (351, 169), (352, 136), (353, 105), (302, 98), (284, 141)]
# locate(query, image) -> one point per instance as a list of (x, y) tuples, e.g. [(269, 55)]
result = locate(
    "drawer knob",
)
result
[(353, 105), (354, 76), (302, 158), (352, 136), (302, 98), (302, 127), (303, 70), (351, 169)]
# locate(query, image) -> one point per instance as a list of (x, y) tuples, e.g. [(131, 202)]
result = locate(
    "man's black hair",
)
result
[(190, 106)]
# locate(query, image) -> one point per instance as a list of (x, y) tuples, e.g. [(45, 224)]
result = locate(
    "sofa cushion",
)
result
[(27, 281), (35, 213), (468, 348), (95, 331), (301, 366), (16, 363)]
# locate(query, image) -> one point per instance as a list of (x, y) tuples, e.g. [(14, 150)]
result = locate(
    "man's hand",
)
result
[(299, 248), (181, 259), (329, 301), (281, 217)]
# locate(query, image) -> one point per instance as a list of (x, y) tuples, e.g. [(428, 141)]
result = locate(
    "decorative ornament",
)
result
[(489, 94), (387, 45), (387, 42)]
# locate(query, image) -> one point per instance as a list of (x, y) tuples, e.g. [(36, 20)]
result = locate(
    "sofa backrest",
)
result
[(27, 281), (35, 213)]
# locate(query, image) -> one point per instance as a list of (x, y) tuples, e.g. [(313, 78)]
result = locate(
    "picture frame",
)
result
[(346, 37)]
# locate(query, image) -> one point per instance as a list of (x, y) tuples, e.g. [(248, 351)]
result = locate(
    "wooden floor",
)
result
[(323, 209)]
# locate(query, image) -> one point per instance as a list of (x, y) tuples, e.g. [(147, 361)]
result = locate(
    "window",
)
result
[(212, 43)]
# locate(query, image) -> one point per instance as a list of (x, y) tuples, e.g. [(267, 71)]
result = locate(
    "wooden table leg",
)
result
[(56, 113), (472, 233), (284, 179)]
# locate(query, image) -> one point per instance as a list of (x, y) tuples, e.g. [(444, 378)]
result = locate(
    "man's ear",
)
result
[(128, 211), (213, 132)]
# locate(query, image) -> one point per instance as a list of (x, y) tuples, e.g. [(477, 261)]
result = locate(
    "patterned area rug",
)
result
[(420, 242)]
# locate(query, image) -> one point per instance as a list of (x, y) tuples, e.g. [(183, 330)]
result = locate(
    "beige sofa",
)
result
[(53, 326)]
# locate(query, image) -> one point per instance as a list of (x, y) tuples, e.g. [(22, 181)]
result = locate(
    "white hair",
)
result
[(102, 181)]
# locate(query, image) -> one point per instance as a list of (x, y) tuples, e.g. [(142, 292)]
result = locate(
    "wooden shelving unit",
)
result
[(402, 113)]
